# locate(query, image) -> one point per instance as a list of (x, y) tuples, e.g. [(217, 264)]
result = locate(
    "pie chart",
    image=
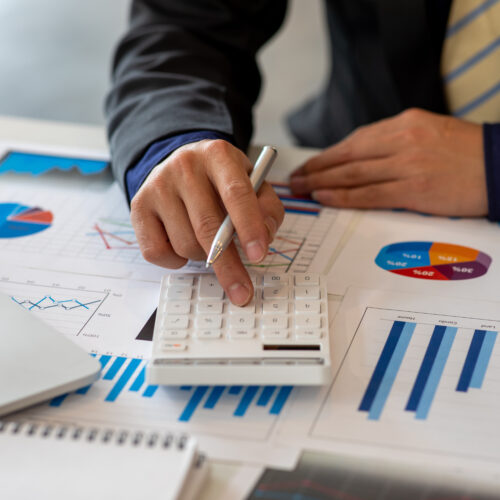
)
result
[(429, 260), (20, 220)]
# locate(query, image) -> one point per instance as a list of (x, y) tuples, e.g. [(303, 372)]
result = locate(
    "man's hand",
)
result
[(416, 160), (182, 203)]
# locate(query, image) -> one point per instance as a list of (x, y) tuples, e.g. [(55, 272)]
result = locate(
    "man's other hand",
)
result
[(184, 200), (416, 160)]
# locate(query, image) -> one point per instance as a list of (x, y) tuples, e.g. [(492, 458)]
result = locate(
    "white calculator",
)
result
[(280, 338)]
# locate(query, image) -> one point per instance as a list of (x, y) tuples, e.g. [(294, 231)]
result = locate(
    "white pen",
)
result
[(225, 233)]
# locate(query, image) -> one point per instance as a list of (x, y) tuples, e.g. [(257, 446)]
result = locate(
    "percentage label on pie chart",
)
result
[(433, 261), (20, 220)]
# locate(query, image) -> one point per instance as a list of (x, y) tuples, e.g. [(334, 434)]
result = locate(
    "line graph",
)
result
[(68, 310), (115, 234)]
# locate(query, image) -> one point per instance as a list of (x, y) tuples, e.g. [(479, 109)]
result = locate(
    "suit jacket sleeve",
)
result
[(183, 66)]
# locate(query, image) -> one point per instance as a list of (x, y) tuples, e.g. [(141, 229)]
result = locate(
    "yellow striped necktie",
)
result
[(470, 61)]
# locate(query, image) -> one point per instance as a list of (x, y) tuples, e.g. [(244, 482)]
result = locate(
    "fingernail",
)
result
[(238, 294), (255, 251), (272, 226)]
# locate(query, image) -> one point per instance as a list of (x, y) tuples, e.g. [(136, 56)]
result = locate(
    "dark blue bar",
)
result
[(115, 367), (280, 400), (139, 380), (150, 390), (265, 395), (58, 400), (471, 360), (193, 403), (381, 368), (214, 396), (83, 390), (122, 381), (186, 387), (245, 401), (425, 368), (235, 389)]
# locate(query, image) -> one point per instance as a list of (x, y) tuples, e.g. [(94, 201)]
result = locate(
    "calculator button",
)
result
[(179, 292), (242, 321), (170, 346), (181, 279), (305, 279), (307, 306), (275, 279), (307, 292), (275, 307), (241, 333), (208, 321), (209, 307), (175, 322), (275, 292), (208, 334), (173, 334), (307, 321), (209, 287), (178, 307), (275, 321), (248, 309), (275, 334), (306, 333)]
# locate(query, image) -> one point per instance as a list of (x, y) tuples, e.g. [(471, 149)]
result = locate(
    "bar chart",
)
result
[(122, 375), (415, 376)]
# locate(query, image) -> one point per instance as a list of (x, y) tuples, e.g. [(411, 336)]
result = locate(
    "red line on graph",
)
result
[(103, 235), (288, 241)]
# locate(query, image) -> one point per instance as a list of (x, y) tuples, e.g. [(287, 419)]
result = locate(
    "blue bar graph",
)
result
[(477, 360), (247, 398), (387, 367), (150, 391), (115, 368), (123, 380), (280, 400), (265, 395), (431, 369), (139, 381), (214, 396), (193, 403), (235, 389)]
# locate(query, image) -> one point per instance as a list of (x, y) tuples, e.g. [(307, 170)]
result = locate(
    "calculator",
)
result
[(279, 338)]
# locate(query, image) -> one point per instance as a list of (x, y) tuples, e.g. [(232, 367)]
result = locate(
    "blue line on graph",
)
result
[(123, 380), (235, 389), (280, 400), (193, 403), (470, 361), (436, 371), (245, 401), (265, 395), (272, 249), (214, 396), (483, 359), (150, 390), (139, 380), (115, 368)]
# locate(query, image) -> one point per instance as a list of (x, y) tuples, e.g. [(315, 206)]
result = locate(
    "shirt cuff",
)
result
[(491, 141), (158, 151)]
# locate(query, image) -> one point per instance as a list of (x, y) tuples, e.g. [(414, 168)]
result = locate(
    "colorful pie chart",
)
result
[(20, 220), (429, 260)]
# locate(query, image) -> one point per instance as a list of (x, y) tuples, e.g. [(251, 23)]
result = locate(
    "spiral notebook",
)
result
[(45, 462)]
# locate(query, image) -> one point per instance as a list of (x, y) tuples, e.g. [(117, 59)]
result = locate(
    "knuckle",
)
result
[(187, 248), (206, 226), (236, 191), (218, 147), (412, 115), (153, 253)]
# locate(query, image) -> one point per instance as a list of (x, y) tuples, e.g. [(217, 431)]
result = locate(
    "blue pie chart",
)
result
[(18, 220)]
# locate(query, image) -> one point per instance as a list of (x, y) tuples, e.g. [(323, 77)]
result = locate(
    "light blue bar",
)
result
[(280, 400), (435, 374), (122, 381), (483, 359), (193, 403), (392, 370), (115, 368), (245, 401), (137, 383), (150, 390)]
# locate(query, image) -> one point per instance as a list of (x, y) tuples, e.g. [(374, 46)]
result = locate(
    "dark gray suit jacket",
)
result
[(190, 65)]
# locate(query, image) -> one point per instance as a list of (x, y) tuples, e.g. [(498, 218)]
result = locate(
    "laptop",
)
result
[(37, 363)]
